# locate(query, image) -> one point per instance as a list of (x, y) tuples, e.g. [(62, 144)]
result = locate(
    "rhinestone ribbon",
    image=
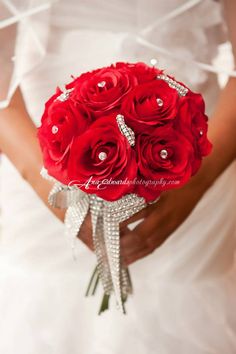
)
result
[(105, 217)]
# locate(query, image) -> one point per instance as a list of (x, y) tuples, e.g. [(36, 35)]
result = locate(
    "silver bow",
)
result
[(106, 217)]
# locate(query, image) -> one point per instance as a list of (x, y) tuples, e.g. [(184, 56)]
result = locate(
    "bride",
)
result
[(181, 250)]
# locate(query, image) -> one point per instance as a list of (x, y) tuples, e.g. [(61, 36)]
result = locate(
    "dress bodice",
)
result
[(177, 33)]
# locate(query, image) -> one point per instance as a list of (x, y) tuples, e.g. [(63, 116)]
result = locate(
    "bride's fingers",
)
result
[(131, 258), (152, 215), (132, 242), (139, 235), (132, 245), (132, 254), (149, 225), (85, 233), (145, 237), (140, 215)]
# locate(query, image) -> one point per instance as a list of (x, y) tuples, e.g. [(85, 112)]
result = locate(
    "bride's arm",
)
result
[(19, 142), (162, 219)]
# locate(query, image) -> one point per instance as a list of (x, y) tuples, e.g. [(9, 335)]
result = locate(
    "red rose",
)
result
[(192, 122), (142, 71), (61, 122), (101, 153), (150, 105), (103, 90), (165, 159)]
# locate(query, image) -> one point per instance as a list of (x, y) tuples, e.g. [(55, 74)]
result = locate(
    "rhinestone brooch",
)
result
[(125, 130), (182, 91)]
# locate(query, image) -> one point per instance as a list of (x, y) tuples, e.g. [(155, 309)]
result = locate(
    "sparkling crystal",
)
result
[(54, 129), (125, 130), (153, 61), (163, 154), (101, 83), (159, 102), (120, 118), (182, 91), (201, 132), (64, 95), (102, 155)]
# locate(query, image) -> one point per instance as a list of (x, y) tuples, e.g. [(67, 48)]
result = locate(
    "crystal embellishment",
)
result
[(102, 155), (101, 83), (153, 61), (64, 95), (160, 102), (182, 90), (125, 130), (54, 129), (201, 132), (164, 154)]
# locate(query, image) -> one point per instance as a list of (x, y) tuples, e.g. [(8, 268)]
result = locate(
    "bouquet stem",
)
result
[(92, 287)]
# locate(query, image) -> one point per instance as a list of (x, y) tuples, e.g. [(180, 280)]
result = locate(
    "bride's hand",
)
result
[(159, 220)]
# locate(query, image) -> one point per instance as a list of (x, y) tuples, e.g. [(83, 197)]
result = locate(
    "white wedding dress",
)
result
[(184, 298)]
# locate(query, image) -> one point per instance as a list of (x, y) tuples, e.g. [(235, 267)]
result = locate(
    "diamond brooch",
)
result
[(182, 90), (125, 130)]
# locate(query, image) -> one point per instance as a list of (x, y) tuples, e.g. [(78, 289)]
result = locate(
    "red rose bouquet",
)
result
[(113, 140)]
